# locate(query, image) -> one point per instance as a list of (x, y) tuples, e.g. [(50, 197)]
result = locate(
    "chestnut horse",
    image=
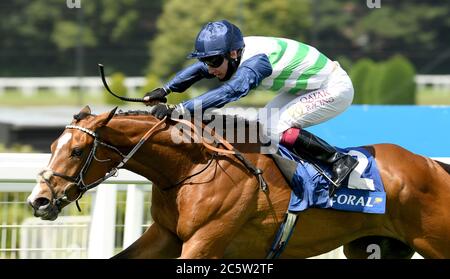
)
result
[(212, 207)]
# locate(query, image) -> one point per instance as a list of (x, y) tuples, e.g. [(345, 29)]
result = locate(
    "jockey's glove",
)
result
[(158, 95), (161, 110)]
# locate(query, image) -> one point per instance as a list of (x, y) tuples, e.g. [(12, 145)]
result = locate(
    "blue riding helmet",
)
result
[(217, 38)]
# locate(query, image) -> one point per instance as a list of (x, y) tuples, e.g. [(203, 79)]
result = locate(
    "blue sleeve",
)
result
[(248, 76), (188, 76)]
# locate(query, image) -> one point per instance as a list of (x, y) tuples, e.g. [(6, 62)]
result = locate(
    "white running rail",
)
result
[(95, 235), (63, 85)]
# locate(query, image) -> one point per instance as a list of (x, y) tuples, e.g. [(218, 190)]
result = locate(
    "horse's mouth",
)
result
[(48, 212), (50, 215)]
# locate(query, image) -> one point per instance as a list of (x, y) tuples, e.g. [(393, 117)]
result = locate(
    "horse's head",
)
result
[(78, 163)]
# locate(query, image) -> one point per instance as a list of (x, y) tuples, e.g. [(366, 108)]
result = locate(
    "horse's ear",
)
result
[(104, 118), (85, 110), (111, 115)]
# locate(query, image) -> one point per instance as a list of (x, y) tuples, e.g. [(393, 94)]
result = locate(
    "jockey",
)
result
[(311, 88)]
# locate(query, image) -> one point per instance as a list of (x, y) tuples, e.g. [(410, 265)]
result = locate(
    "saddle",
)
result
[(288, 168), (362, 190)]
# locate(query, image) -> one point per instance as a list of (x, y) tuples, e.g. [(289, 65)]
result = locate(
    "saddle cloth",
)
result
[(362, 191)]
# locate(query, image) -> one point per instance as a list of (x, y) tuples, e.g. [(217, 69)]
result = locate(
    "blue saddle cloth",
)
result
[(363, 191)]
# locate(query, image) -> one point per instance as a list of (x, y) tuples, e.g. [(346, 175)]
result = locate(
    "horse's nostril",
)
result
[(41, 202)]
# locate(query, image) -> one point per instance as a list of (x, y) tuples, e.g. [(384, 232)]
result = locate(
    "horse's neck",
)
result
[(245, 135), (159, 159)]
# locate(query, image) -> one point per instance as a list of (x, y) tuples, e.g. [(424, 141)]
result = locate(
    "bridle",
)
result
[(82, 187), (79, 180)]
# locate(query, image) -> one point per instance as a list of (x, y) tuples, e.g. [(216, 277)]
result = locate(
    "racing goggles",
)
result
[(213, 61)]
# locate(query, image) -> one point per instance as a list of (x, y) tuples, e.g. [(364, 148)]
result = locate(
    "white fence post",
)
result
[(102, 230), (134, 215)]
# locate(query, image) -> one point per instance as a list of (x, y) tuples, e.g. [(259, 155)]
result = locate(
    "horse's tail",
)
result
[(446, 167)]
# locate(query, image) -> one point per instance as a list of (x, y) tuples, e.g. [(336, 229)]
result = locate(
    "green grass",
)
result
[(431, 97), (50, 98), (12, 98)]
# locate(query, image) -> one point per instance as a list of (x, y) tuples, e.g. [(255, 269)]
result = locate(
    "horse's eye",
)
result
[(77, 152)]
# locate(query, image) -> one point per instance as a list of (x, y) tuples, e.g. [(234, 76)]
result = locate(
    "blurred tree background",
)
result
[(152, 38), (42, 37), (181, 20), (45, 37)]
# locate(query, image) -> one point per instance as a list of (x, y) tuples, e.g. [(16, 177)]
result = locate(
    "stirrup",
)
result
[(334, 185), (338, 181)]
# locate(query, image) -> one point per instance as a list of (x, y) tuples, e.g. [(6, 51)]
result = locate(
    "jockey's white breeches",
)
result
[(309, 107)]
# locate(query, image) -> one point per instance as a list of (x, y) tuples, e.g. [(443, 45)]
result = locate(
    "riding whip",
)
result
[(105, 84)]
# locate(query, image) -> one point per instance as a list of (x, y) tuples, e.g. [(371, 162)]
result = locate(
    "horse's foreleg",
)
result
[(156, 242)]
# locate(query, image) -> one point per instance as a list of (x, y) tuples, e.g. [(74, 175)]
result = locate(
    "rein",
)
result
[(230, 150), (79, 180)]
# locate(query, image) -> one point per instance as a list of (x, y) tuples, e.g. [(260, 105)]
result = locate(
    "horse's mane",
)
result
[(132, 112), (81, 115), (232, 121), (225, 117)]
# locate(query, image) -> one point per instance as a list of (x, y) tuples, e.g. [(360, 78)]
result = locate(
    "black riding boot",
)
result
[(312, 147)]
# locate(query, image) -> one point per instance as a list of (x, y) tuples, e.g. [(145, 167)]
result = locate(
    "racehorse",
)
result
[(206, 206)]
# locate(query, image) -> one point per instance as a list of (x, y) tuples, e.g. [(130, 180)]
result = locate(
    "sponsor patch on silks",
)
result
[(363, 191)]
